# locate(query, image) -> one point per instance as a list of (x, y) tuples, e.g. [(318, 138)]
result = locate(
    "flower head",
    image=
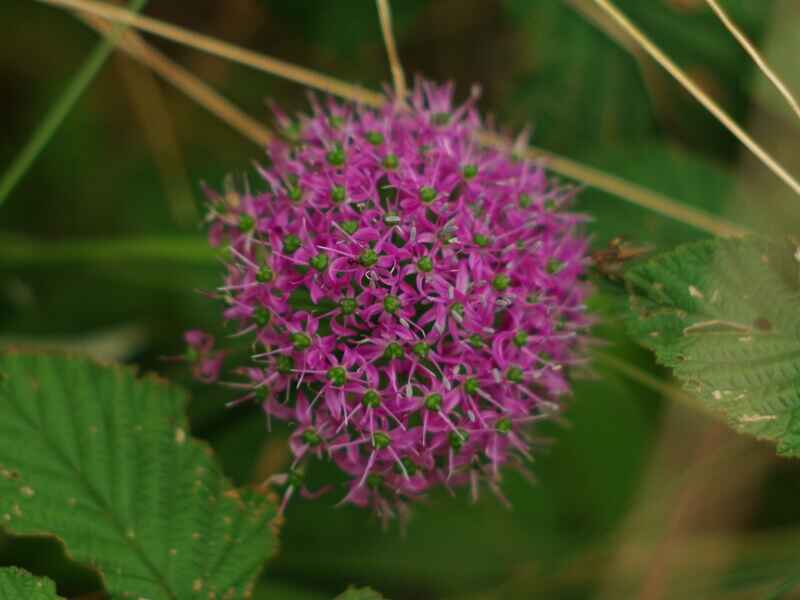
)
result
[(413, 296)]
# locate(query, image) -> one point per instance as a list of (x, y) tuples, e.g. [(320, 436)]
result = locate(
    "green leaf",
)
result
[(360, 594), (686, 177), (578, 84), (103, 461), (584, 89), (724, 315), (16, 584)]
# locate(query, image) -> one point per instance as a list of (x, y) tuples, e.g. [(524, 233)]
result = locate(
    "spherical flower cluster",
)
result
[(412, 297)]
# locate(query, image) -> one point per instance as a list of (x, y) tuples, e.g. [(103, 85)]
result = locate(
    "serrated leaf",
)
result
[(724, 314), (360, 594), (16, 584), (103, 461)]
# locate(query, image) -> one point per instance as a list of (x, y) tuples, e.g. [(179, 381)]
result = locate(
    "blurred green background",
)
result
[(641, 495)]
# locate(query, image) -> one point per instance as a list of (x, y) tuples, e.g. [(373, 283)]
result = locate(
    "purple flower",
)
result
[(200, 354), (412, 298)]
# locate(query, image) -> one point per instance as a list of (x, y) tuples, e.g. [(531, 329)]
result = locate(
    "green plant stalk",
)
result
[(22, 251), (62, 107)]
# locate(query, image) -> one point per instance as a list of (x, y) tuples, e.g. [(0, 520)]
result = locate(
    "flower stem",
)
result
[(19, 251)]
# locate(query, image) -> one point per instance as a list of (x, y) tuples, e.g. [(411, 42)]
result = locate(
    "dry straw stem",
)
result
[(221, 49), (194, 88), (592, 177), (398, 77), (631, 371), (625, 189), (149, 106), (755, 55), (703, 98)]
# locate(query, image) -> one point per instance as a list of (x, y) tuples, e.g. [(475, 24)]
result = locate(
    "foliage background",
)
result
[(641, 495)]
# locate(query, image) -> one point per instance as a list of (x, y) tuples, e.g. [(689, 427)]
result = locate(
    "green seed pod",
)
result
[(300, 340), (503, 426), (481, 240), (469, 171), (433, 402), (319, 262), (337, 376), (427, 194), (501, 282), (338, 194), (348, 306), (311, 437), (391, 162), (422, 349), (371, 399), (265, 275), (515, 375), (425, 264), (349, 227), (336, 157), (284, 364), (261, 316), (291, 243), (391, 304), (374, 137), (520, 339), (458, 439), (368, 257), (381, 440), (393, 351)]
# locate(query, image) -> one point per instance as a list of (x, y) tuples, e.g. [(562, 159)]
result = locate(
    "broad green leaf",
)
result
[(360, 594), (724, 315), (683, 176), (16, 584), (104, 462), (582, 89), (579, 88)]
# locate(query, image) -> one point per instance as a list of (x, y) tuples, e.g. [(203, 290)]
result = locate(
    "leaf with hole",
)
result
[(103, 461), (725, 316)]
